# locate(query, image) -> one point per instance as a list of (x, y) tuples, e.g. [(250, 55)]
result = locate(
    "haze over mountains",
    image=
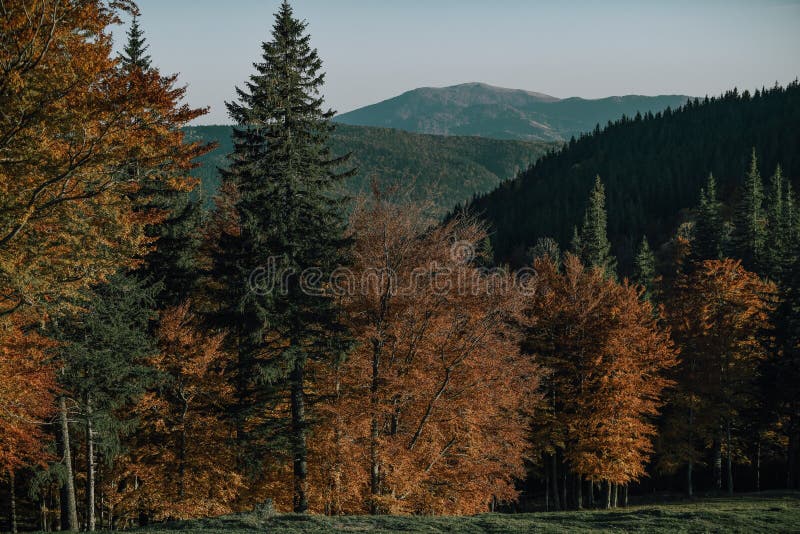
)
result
[(479, 109)]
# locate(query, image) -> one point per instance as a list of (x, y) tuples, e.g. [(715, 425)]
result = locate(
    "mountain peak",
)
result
[(480, 109)]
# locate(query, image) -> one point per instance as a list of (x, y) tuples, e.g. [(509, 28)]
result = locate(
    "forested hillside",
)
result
[(445, 170), (483, 110), (653, 167)]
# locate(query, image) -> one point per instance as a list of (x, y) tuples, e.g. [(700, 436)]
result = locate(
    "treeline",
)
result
[(653, 166), (445, 169), (160, 362)]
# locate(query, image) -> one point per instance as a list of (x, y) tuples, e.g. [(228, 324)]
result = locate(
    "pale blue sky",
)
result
[(376, 49)]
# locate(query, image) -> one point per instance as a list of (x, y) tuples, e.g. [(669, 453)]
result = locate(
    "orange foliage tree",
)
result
[(181, 464), (72, 122), (27, 386), (606, 358), (427, 413), (719, 315)]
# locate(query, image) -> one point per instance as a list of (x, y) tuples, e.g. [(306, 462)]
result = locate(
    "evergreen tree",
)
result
[(173, 260), (546, 246), (747, 241), (644, 268), (104, 352), (290, 221), (779, 234), (708, 232), (593, 247), (135, 51)]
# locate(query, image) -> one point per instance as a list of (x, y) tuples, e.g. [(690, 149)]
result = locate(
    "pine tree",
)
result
[(708, 231), (747, 241), (644, 268), (134, 52), (289, 219), (593, 247)]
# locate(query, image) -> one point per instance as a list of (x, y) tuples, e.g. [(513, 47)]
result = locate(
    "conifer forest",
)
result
[(289, 314)]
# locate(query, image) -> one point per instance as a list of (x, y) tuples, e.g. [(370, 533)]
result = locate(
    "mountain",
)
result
[(445, 170), (483, 110), (653, 168)]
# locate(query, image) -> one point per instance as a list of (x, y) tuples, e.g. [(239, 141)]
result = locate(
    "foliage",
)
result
[(652, 167), (427, 415)]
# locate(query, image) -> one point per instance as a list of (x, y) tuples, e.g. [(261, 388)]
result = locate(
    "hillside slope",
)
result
[(487, 111), (653, 167), (446, 170)]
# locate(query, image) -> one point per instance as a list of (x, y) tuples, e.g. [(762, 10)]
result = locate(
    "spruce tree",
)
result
[(104, 369), (779, 235), (592, 245), (708, 231), (644, 268), (290, 221), (135, 51), (173, 261), (747, 241)]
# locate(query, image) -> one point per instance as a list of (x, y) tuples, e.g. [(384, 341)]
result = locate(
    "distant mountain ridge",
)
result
[(479, 109), (443, 170)]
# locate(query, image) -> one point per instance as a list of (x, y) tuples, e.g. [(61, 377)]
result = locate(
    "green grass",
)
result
[(767, 512)]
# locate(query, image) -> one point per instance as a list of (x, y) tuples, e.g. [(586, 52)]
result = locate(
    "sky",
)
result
[(376, 49)]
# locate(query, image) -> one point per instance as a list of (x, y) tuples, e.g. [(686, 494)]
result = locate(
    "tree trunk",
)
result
[(564, 490), (729, 456), (69, 508), (90, 517), (375, 470), (546, 486), (554, 481), (12, 496), (578, 492), (625, 497), (793, 453), (591, 492), (718, 464), (608, 495), (758, 465), (690, 466), (182, 444), (616, 494), (300, 464)]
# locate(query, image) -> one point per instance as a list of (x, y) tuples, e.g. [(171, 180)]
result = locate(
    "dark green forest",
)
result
[(653, 168), (443, 170)]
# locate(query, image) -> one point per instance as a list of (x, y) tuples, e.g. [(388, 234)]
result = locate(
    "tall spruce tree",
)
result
[(290, 221), (591, 244), (644, 268), (747, 241), (708, 231)]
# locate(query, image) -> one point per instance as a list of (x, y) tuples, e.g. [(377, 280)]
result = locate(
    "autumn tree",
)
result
[(71, 123), (180, 464), (427, 415), (718, 319), (606, 359)]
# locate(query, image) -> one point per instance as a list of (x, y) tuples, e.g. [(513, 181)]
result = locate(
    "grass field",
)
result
[(768, 512)]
